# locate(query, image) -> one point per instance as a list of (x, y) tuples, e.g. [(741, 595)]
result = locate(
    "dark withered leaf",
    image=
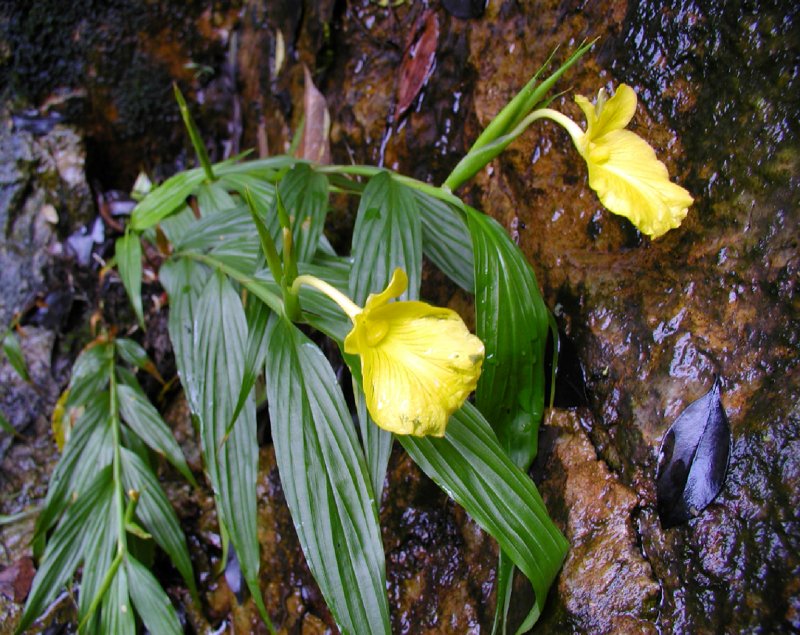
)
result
[(693, 460), (465, 8)]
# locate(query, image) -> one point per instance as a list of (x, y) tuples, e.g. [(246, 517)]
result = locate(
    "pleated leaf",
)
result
[(67, 546), (144, 420), (151, 602), (325, 481), (512, 321), (387, 235), (87, 450), (90, 374), (184, 280), (156, 514), (99, 555), (219, 340), (471, 466), (304, 194), (446, 240), (213, 199), (117, 613)]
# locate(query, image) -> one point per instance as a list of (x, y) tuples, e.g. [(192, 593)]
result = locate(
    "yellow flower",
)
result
[(419, 362), (623, 169)]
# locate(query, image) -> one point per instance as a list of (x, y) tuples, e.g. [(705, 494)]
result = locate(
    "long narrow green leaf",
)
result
[(304, 193), (117, 613), (214, 229), (446, 240), (150, 601), (166, 199), (67, 546), (512, 321), (157, 515), (87, 450), (220, 336), (184, 279), (256, 349), (469, 464), (387, 235), (99, 555), (90, 374), (129, 262), (13, 351), (325, 481), (133, 353), (143, 418)]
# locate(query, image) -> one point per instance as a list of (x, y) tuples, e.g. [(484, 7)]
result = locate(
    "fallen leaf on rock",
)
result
[(693, 460), (417, 64), (315, 142)]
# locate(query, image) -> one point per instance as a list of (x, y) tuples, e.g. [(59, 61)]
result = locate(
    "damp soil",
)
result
[(647, 325)]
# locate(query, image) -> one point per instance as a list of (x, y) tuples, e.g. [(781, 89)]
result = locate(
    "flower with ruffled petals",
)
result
[(623, 169), (419, 362)]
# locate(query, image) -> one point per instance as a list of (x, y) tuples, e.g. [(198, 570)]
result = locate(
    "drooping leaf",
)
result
[(387, 235), (693, 459), (129, 262), (512, 321), (469, 464), (67, 546), (143, 418), (446, 240), (13, 351), (157, 515), (326, 482), (214, 230), (150, 600)]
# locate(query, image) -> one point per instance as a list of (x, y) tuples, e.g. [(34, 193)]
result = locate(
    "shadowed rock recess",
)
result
[(86, 104)]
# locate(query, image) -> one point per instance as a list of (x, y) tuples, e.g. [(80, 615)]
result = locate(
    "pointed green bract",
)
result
[(13, 351)]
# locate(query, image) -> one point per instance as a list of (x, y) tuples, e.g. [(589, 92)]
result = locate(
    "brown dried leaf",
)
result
[(315, 142), (417, 65), (15, 580)]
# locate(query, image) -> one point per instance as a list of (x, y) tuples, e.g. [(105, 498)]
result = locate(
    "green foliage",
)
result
[(104, 489), (234, 310)]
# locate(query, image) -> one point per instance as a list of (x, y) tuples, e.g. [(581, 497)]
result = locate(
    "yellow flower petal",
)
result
[(624, 170), (419, 362), (631, 181)]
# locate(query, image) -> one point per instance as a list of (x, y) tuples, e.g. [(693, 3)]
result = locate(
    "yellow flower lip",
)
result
[(419, 362)]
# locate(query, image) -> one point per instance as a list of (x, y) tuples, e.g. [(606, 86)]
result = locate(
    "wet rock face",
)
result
[(651, 321)]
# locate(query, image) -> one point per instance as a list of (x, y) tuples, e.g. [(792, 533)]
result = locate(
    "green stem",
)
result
[(119, 494), (98, 597)]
